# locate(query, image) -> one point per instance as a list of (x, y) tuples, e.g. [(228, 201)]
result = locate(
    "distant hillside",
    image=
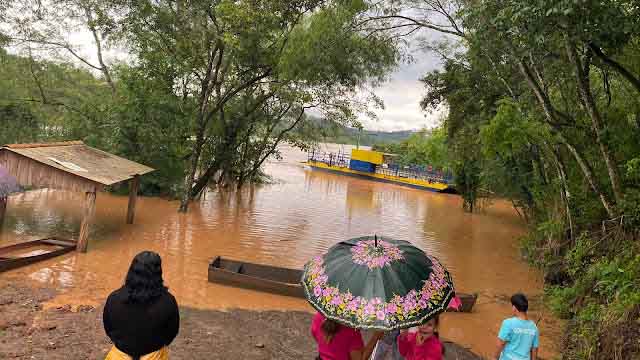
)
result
[(330, 132), (368, 137)]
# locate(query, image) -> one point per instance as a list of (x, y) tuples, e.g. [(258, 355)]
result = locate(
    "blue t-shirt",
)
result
[(520, 337)]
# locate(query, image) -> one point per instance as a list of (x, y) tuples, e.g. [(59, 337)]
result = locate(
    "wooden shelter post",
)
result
[(134, 184), (73, 166), (3, 208), (87, 219)]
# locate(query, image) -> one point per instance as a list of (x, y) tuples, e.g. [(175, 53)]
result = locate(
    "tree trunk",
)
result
[(582, 76), (103, 67), (134, 184), (551, 115), (195, 159), (87, 220), (616, 66), (205, 178), (564, 187), (588, 174), (241, 180)]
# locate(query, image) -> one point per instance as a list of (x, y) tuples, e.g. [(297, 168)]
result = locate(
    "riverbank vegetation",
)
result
[(207, 90), (544, 110), (543, 106)]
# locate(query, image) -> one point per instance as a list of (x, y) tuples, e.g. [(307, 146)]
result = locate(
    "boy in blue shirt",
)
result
[(518, 337)]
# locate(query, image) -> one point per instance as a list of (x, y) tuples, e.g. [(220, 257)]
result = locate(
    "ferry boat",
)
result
[(378, 166)]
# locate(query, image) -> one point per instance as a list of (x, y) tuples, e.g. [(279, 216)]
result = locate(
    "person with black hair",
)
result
[(518, 338), (142, 317), (339, 342)]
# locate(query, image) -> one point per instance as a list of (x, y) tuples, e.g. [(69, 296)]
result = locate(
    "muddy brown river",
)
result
[(285, 223)]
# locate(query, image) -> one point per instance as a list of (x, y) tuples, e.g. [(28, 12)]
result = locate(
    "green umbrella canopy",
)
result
[(377, 283)]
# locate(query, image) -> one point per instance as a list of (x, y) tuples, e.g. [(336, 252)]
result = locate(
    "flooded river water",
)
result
[(286, 223)]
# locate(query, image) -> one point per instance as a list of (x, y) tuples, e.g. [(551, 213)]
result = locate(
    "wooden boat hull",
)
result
[(58, 247), (276, 280)]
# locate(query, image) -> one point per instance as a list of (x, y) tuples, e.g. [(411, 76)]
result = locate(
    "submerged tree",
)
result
[(251, 71)]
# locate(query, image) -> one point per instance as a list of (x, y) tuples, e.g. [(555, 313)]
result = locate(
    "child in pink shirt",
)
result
[(423, 344), (338, 342)]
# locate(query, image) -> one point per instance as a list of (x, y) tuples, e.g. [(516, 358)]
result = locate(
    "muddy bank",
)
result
[(27, 331)]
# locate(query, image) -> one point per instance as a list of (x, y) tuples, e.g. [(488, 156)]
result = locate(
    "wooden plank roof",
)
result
[(76, 158)]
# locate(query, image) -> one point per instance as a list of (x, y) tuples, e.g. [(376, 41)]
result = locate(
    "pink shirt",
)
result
[(343, 342), (430, 349)]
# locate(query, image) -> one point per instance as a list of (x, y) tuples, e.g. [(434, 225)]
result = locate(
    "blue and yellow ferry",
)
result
[(378, 166)]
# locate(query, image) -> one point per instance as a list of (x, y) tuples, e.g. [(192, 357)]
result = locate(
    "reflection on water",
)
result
[(302, 214)]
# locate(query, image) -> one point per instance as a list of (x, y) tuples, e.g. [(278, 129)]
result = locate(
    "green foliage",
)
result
[(605, 288), (544, 110), (216, 86), (631, 208), (424, 148), (18, 124), (321, 50), (510, 132), (151, 128), (559, 300), (467, 166), (611, 280), (428, 148), (513, 145), (252, 71)]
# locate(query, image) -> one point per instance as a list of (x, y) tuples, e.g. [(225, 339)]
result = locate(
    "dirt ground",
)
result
[(27, 331)]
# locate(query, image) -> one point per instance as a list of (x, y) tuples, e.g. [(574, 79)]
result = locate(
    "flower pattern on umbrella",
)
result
[(374, 253), (429, 297)]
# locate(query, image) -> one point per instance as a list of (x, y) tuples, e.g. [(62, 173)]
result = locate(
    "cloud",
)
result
[(401, 95)]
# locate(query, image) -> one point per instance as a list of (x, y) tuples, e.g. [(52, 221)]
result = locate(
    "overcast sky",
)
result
[(402, 95)]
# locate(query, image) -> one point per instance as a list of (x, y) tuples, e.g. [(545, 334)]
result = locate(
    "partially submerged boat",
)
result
[(22, 254), (265, 278), (279, 280)]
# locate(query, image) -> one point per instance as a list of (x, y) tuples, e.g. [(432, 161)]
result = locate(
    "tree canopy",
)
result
[(211, 88)]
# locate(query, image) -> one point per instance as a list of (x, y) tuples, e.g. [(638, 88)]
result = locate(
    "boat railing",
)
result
[(331, 159), (429, 176), (426, 173)]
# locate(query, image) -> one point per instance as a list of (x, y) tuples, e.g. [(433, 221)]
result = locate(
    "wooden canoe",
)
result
[(278, 280), (265, 278), (17, 255)]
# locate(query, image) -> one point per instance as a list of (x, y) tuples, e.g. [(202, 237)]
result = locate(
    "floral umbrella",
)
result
[(377, 283), (8, 183)]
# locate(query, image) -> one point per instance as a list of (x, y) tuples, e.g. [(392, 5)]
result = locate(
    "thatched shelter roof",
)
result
[(67, 165)]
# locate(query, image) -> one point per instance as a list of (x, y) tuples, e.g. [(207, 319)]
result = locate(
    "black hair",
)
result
[(330, 328), (144, 279), (520, 302)]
